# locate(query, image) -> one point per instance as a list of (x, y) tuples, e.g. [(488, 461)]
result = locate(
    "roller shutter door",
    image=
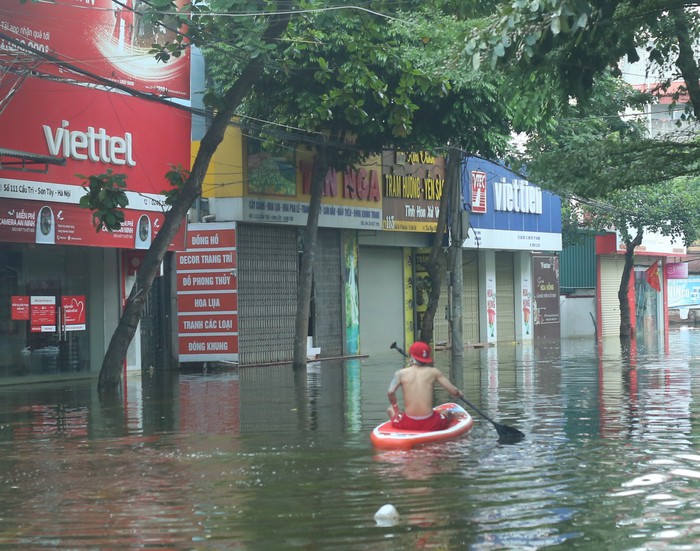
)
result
[(327, 328), (505, 296), (267, 284), (380, 272), (611, 268), (470, 297), (470, 304)]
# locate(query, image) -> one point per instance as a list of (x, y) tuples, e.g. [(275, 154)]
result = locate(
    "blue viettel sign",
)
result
[(500, 201)]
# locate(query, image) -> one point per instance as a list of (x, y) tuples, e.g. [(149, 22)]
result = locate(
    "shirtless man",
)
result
[(416, 382)]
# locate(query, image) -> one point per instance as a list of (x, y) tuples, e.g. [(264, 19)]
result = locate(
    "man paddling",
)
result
[(416, 382)]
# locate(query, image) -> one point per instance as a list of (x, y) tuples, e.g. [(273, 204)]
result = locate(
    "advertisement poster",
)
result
[(20, 308), (73, 312), (207, 294), (422, 286), (43, 314), (108, 39), (546, 296), (69, 224)]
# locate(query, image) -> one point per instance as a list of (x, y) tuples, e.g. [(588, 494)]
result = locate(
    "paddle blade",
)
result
[(508, 435)]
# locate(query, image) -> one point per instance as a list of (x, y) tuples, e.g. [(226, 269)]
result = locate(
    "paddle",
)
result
[(507, 435)]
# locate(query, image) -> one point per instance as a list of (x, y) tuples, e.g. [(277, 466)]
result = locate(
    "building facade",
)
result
[(370, 281), (63, 283)]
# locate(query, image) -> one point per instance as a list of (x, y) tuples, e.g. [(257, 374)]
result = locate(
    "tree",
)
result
[(250, 70), (570, 44)]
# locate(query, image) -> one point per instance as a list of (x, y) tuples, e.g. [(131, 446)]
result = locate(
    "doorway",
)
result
[(44, 297)]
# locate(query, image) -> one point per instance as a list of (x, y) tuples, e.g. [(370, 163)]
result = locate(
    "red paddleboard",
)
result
[(385, 436)]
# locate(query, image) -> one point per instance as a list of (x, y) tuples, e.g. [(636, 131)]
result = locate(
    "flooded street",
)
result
[(263, 458)]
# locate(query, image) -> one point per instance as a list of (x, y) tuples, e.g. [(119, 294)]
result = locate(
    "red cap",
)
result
[(420, 352)]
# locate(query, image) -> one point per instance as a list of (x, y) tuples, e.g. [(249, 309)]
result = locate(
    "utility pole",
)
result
[(453, 175)]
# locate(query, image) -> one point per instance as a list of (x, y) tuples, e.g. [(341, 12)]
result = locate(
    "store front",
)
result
[(515, 235), (47, 296)]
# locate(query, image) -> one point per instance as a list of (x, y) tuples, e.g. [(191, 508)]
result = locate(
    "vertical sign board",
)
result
[(545, 307), (207, 294)]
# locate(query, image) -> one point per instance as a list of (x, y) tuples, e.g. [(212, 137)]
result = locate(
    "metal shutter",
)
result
[(611, 268), (327, 292), (381, 305), (505, 296), (267, 290), (470, 297)]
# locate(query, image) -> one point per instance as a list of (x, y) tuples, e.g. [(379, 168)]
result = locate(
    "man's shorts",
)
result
[(433, 422)]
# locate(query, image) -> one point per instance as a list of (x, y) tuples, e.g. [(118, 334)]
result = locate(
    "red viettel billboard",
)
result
[(95, 132), (104, 38)]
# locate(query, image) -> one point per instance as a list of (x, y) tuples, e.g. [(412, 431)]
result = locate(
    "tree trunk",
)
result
[(686, 61), (623, 291), (112, 368), (305, 285), (436, 266)]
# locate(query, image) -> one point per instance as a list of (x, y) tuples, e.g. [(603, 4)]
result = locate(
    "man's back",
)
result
[(417, 387)]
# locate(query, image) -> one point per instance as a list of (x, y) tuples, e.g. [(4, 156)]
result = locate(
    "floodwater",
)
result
[(262, 458)]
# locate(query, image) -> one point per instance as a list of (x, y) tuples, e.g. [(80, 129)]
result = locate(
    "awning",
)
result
[(11, 159)]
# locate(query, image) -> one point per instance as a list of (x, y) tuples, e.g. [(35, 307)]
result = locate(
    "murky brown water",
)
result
[(266, 459)]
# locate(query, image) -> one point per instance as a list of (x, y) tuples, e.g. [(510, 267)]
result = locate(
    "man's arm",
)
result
[(393, 387), (447, 384)]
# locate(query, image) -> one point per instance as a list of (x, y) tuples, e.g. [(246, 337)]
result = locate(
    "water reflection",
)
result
[(271, 458)]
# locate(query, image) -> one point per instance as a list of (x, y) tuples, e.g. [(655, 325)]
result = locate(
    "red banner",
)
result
[(93, 131), (68, 224)]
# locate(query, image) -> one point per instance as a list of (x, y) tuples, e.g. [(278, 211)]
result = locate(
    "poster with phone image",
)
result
[(46, 226), (143, 232)]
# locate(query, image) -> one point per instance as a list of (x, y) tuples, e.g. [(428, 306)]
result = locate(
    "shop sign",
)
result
[(351, 199), (69, 224), (207, 294), (20, 308), (94, 131), (676, 270), (545, 307), (411, 190), (43, 314), (478, 191), (73, 307)]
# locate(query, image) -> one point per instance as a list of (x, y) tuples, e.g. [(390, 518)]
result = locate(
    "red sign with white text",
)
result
[(94, 131), (20, 308), (199, 303), (67, 224), (207, 294), (105, 38), (478, 184), (208, 237), (43, 314), (73, 312)]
